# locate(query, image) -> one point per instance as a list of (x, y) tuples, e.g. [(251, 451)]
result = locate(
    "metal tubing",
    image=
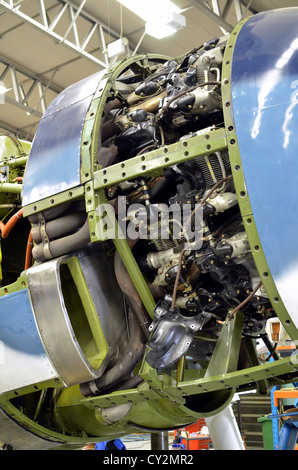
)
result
[(135, 274), (64, 245), (224, 431), (133, 353), (160, 441), (21, 161), (132, 296), (59, 227), (11, 188)]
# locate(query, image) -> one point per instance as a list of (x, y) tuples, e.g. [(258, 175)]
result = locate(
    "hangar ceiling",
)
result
[(46, 45)]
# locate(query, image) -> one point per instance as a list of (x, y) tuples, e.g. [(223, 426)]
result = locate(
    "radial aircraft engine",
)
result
[(149, 242)]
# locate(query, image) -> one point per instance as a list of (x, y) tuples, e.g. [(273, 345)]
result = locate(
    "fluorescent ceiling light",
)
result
[(165, 26), (3, 89), (159, 32), (148, 10)]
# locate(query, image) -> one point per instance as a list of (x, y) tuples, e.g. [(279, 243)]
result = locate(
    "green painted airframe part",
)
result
[(155, 414), (40, 386), (143, 398), (13, 160), (91, 130), (223, 360), (38, 430), (19, 284), (88, 330), (135, 274), (201, 386), (25, 146), (152, 163), (97, 233), (11, 147), (53, 201), (226, 352), (163, 385), (92, 123), (241, 191), (252, 356), (14, 188)]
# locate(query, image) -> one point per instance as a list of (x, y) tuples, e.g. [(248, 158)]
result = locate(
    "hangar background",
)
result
[(47, 45)]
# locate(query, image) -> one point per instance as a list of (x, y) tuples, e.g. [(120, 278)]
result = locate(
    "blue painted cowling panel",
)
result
[(265, 107), (23, 359), (55, 161)]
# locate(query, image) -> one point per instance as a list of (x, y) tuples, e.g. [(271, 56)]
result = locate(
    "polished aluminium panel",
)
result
[(54, 163), (24, 361), (56, 330), (265, 107)]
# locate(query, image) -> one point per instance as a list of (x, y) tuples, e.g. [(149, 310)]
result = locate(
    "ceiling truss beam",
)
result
[(213, 15), (218, 14), (71, 15), (26, 90), (18, 133), (29, 91)]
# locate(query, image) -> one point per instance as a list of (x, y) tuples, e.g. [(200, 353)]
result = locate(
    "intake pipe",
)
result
[(131, 294), (120, 372)]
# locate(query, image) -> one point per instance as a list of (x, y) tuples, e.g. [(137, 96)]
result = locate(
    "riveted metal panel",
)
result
[(265, 108), (55, 159), (23, 359)]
